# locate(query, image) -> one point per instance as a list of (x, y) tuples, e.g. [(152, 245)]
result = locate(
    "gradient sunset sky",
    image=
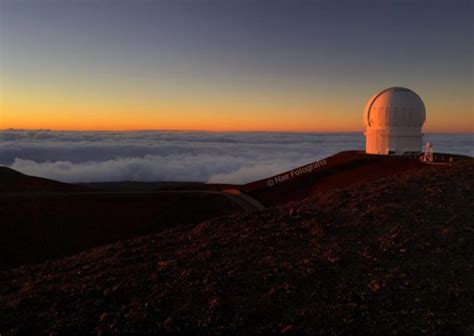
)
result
[(231, 65)]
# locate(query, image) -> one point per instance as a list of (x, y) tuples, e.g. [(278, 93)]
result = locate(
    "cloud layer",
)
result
[(178, 156)]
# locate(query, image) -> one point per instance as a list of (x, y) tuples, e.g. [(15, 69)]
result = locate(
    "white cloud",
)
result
[(176, 156)]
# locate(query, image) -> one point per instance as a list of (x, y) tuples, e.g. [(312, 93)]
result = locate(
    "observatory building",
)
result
[(393, 119)]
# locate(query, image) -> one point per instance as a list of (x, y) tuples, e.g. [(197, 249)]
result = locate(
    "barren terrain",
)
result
[(391, 256)]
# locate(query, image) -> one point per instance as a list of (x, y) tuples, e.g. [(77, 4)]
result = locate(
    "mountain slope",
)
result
[(13, 181), (391, 256), (336, 171)]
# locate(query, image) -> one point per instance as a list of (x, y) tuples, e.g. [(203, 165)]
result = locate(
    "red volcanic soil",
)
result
[(391, 256), (42, 219), (340, 170)]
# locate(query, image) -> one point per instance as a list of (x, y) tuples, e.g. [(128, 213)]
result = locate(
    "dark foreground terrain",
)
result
[(391, 256), (41, 219)]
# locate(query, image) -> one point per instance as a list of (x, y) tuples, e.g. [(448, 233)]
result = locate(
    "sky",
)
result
[(231, 65)]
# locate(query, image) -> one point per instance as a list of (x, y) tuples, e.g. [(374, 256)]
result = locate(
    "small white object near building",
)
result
[(393, 119), (428, 155)]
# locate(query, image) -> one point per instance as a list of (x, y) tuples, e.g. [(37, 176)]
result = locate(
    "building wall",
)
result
[(381, 142)]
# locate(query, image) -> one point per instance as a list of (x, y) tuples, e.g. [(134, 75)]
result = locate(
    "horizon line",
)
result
[(212, 131)]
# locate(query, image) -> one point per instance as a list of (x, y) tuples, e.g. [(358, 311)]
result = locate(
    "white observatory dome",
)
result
[(393, 119)]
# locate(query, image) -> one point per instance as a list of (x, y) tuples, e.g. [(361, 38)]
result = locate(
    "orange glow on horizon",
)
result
[(128, 127), (67, 123), (45, 110), (127, 116)]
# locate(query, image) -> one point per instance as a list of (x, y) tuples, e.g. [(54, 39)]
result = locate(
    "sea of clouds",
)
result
[(180, 155)]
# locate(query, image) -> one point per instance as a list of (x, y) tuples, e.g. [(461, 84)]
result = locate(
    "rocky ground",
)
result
[(394, 255)]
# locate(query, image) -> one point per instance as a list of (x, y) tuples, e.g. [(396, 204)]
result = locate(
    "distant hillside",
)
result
[(13, 181), (391, 256)]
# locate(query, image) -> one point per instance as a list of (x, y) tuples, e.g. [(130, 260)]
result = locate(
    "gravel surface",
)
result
[(391, 256)]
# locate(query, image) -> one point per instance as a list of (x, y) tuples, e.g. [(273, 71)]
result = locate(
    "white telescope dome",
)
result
[(393, 119)]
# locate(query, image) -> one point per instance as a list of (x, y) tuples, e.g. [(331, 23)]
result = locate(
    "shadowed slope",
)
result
[(38, 226), (385, 257), (13, 181), (42, 219)]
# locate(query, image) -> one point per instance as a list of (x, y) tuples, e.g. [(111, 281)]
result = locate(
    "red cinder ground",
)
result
[(391, 255), (43, 219), (340, 170)]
